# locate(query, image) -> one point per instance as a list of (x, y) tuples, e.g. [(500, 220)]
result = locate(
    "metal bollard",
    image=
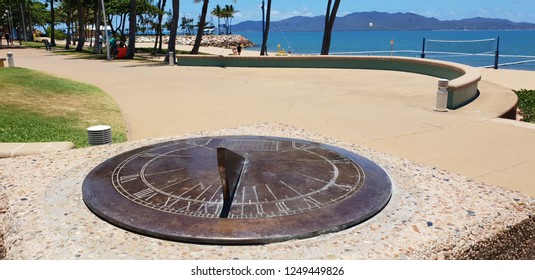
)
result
[(10, 60), (442, 96), (171, 58)]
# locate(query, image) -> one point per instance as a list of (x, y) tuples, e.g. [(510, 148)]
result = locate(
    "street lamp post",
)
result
[(106, 31), (263, 27), (23, 23)]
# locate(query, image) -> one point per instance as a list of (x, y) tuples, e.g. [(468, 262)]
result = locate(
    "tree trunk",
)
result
[(97, 28), (200, 30), (52, 21), (158, 27), (263, 50), (171, 45), (81, 27), (69, 27), (330, 17), (30, 24), (132, 36)]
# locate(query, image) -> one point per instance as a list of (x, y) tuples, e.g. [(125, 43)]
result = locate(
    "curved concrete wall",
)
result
[(461, 91)]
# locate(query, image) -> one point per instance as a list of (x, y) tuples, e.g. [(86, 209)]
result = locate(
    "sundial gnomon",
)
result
[(236, 189)]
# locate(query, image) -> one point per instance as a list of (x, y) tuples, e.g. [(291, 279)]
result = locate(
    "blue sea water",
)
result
[(514, 45)]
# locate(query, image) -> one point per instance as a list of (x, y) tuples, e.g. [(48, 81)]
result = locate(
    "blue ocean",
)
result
[(516, 48)]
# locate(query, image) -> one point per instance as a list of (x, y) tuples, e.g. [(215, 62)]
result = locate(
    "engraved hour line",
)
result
[(196, 186), (259, 208), (310, 200), (271, 192), (164, 155), (215, 193), (163, 172), (203, 193), (128, 178), (290, 188), (242, 201), (329, 183)]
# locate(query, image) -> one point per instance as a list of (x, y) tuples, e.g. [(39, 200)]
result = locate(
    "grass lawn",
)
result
[(36, 107)]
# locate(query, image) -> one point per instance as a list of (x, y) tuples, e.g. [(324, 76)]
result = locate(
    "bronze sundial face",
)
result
[(236, 189)]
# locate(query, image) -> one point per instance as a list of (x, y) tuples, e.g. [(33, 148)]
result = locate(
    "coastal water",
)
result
[(475, 48)]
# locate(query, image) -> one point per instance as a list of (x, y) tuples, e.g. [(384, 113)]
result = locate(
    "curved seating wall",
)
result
[(461, 91)]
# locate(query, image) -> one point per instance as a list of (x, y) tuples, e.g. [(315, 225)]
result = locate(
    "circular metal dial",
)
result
[(287, 188)]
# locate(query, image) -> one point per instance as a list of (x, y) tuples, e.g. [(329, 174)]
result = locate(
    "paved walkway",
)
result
[(387, 111)]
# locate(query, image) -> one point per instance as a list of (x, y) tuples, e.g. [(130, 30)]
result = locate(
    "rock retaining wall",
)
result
[(220, 41)]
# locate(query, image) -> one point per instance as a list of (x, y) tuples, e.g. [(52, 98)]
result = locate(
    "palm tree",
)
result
[(132, 35), (228, 13), (263, 50), (330, 17), (202, 23), (81, 24), (159, 35), (218, 12), (171, 45)]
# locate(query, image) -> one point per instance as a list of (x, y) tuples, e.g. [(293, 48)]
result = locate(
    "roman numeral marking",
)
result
[(282, 207), (185, 208), (259, 209), (170, 201), (145, 194), (203, 209)]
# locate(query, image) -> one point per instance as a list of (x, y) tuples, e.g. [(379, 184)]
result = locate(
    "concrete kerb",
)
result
[(22, 149)]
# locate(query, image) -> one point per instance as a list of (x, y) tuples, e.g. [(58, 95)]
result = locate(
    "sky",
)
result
[(515, 10)]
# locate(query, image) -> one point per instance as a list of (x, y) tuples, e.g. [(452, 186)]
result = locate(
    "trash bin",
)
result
[(121, 53)]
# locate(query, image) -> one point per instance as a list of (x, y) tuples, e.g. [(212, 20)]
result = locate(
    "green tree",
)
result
[(228, 13), (187, 25), (330, 17), (218, 12), (161, 12)]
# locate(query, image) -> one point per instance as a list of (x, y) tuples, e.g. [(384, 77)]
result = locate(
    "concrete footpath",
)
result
[(387, 111)]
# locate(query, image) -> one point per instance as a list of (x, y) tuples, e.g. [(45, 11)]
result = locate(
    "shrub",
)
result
[(526, 103)]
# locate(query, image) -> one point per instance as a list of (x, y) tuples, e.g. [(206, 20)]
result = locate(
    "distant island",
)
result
[(384, 21)]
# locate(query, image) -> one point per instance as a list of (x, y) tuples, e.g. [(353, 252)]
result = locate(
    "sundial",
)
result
[(236, 189)]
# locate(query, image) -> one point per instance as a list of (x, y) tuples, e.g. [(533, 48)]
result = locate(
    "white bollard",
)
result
[(10, 60), (171, 58), (442, 96)]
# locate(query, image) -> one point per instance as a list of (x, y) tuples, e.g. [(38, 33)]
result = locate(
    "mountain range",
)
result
[(383, 21)]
